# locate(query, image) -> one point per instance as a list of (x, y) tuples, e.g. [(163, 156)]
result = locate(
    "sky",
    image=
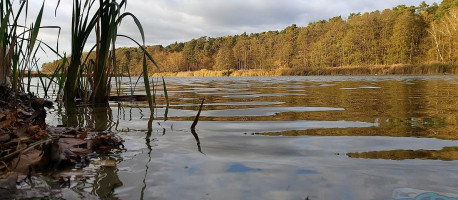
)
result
[(167, 21)]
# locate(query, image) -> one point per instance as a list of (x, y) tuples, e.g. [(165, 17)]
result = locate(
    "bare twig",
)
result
[(4, 165)]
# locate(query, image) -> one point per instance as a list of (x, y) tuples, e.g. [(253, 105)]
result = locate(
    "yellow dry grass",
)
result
[(397, 69)]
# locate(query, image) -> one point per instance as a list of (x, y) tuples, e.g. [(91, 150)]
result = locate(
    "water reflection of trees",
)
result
[(420, 108), (446, 154), (410, 107), (416, 108)]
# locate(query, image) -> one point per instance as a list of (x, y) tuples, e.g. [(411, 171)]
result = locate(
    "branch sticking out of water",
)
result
[(194, 124)]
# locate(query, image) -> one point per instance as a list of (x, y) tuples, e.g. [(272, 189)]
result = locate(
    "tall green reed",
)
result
[(89, 78), (19, 44)]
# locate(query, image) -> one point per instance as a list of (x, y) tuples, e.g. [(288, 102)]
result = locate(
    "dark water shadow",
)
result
[(106, 180), (96, 118), (193, 127), (194, 133), (102, 118)]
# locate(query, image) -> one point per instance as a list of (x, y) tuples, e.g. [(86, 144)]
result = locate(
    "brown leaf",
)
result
[(41, 133), (26, 160), (11, 117), (69, 143), (104, 141), (83, 135), (21, 132), (31, 130)]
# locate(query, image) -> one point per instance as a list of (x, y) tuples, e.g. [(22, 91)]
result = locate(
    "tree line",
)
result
[(401, 35)]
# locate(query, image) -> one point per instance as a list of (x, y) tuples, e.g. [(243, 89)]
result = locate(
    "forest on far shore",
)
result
[(402, 35)]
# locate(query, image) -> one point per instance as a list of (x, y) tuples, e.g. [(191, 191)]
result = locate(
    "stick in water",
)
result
[(194, 124)]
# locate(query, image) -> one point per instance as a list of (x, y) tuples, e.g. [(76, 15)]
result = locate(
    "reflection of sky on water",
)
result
[(240, 168), (369, 87), (253, 167), (260, 111), (239, 163), (305, 171), (237, 127)]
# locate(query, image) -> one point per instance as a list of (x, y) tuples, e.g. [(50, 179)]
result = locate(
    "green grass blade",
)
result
[(147, 85), (137, 22), (166, 99), (29, 79), (40, 77), (36, 28), (4, 26), (56, 72)]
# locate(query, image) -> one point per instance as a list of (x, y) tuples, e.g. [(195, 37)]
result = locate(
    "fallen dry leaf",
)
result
[(31, 130), (27, 160), (10, 118), (83, 135)]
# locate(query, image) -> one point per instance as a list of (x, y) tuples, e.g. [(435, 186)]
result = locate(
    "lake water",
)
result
[(345, 137)]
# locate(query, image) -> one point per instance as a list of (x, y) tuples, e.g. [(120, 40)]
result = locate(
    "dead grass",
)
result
[(397, 69)]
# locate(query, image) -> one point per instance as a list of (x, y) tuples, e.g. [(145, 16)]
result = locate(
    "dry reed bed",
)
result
[(398, 69)]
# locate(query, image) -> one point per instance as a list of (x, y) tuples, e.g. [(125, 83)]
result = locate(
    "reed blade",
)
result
[(147, 85), (166, 100), (36, 29)]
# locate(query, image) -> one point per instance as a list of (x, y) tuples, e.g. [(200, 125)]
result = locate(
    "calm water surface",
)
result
[(389, 137)]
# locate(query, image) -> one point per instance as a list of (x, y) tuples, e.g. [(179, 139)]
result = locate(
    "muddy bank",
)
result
[(29, 147)]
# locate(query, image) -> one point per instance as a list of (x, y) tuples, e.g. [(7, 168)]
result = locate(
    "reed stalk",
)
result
[(19, 44), (89, 79)]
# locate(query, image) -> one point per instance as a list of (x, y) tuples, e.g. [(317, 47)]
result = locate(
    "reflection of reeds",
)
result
[(150, 149), (96, 118)]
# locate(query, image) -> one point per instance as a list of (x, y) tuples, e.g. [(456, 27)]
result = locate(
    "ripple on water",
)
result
[(369, 87), (260, 111)]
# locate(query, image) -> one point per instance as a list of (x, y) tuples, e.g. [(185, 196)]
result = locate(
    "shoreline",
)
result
[(30, 147), (398, 69)]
